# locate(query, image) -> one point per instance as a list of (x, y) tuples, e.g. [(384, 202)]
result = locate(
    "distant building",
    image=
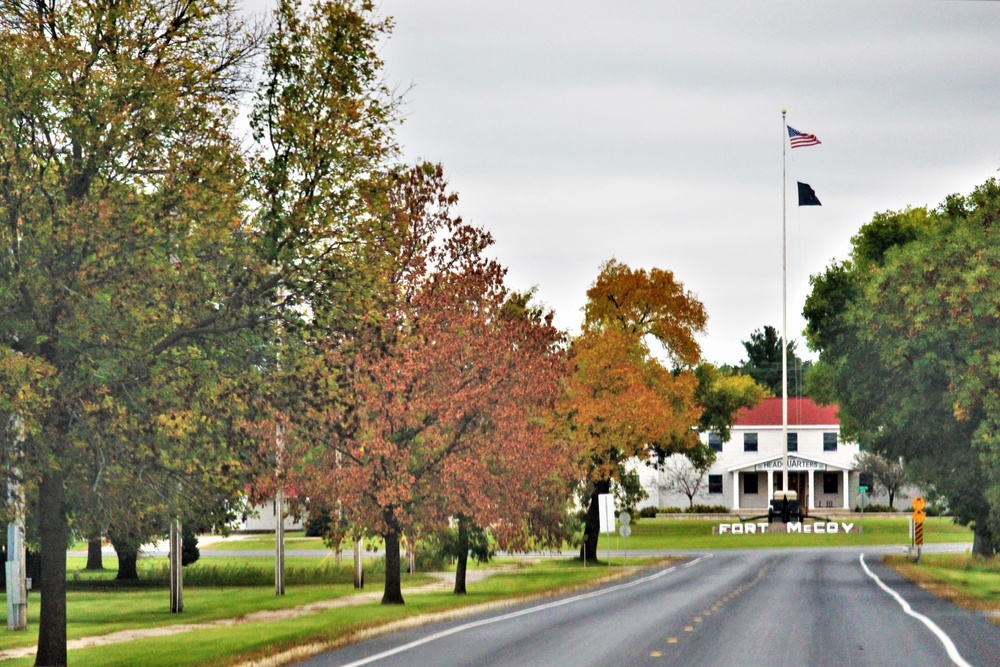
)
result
[(264, 519), (747, 470)]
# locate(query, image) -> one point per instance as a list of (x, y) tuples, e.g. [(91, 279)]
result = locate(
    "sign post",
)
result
[(918, 525), (625, 518)]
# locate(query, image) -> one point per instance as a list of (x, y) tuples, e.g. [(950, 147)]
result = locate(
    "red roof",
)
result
[(801, 412)]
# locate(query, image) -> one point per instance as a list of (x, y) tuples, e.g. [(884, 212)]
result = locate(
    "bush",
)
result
[(189, 546), (671, 510), (648, 512), (707, 509), (875, 508), (318, 523)]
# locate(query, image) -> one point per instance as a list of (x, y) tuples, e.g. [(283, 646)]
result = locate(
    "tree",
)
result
[(619, 401), (144, 257), (437, 400), (682, 474), (763, 362), (889, 476), (905, 330), (721, 394)]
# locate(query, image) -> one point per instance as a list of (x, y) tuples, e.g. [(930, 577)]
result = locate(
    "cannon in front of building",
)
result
[(785, 506)]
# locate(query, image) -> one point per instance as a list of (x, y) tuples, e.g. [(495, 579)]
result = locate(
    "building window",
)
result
[(749, 442), (793, 442), (831, 482), (750, 484), (829, 442), (715, 442), (715, 483)]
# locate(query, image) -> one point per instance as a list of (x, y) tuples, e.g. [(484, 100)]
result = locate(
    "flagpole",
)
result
[(784, 309)]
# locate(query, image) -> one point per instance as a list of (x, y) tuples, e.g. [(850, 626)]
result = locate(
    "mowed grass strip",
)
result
[(99, 605), (971, 582), (693, 533), (110, 611), (668, 533)]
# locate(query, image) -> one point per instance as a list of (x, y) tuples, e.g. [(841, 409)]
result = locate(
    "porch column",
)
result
[(847, 489), (812, 489), (770, 487), (736, 489)]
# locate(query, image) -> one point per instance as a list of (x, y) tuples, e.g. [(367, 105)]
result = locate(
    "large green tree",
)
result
[(146, 253), (763, 362), (907, 336)]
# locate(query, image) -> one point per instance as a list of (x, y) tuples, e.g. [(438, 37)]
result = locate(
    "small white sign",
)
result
[(606, 509)]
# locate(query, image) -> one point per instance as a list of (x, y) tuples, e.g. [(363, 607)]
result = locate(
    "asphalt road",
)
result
[(733, 608)]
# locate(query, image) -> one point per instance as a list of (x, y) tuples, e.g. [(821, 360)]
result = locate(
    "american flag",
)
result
[(799, 139)]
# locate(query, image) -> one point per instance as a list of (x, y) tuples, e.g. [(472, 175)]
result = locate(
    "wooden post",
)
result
[(279, 511), (279, 541), (359, 573), (176, 570)]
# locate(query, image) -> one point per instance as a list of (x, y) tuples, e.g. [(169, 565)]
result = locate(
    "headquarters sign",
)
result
[(794, 463)]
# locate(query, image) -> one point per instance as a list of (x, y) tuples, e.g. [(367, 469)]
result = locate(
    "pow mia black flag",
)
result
[(807, 197)]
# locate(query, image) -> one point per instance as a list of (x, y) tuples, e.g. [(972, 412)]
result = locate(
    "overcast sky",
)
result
[(651, 132)]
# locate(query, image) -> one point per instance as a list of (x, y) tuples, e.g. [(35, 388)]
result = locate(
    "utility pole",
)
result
[(17, 583), (279, 514), (176, 568)]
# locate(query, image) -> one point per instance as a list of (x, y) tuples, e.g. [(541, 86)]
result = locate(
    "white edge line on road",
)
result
[(515, 614), (949, 645)]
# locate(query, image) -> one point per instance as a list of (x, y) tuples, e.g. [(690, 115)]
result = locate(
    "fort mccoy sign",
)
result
[(816, 528)]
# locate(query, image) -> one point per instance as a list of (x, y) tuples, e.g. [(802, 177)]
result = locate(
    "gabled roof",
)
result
[(801, 412)]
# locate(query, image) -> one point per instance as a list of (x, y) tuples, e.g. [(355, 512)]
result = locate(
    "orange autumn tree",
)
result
[(433, 404), (620, 401)]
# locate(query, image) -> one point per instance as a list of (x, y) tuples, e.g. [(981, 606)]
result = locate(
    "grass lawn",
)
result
[(221, 587), (97, 612), (664, 533), (969, 581), (669, 533)]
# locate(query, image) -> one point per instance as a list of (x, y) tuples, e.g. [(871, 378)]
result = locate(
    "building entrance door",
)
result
[(798, 482)]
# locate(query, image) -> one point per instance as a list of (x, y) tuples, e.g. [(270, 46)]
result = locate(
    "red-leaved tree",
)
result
[(433, 406)]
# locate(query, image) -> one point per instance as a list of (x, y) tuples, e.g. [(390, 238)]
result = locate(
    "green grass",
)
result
[(101, 612), (223, 571), (969, 581), (218, 587), (666, 533)]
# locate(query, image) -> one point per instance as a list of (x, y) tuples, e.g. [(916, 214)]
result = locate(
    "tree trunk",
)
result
[(592, 531), (393, 593), (54, 530), (983, 542), (128, 555), (892, 494), (462, 554), (95, 559)]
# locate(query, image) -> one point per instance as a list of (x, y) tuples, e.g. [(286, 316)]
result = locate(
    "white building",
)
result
[(747, 470), (264, 519)]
